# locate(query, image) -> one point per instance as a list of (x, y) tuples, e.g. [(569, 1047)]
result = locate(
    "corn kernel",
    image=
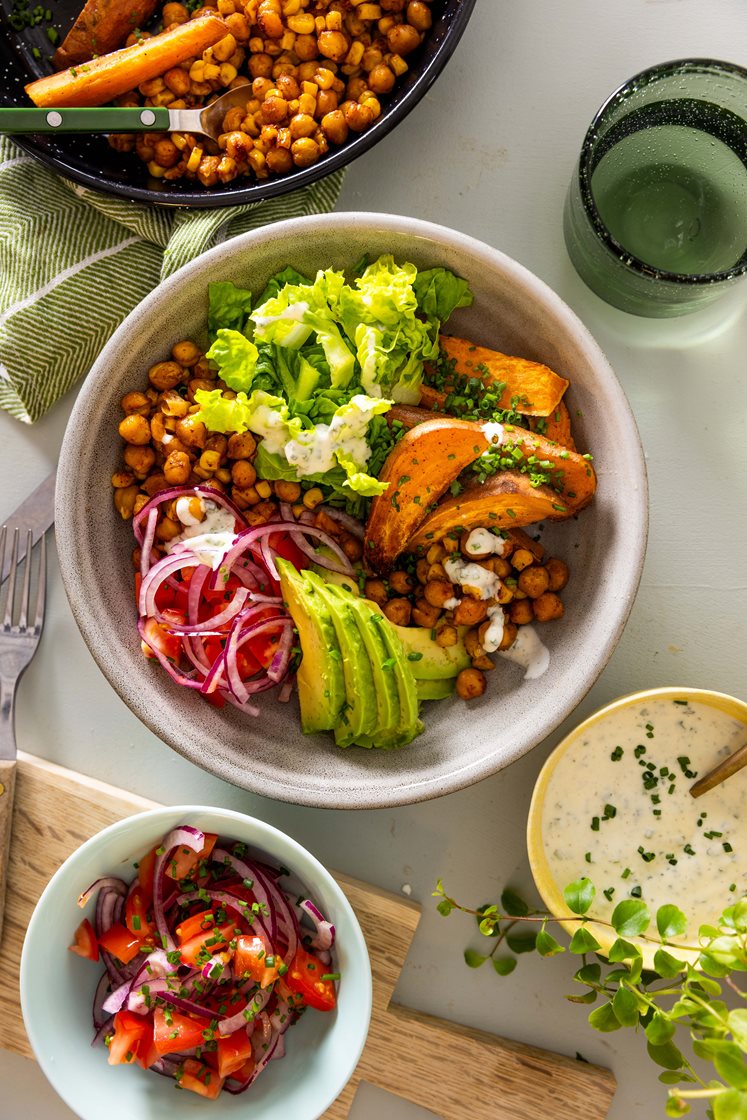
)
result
[(398, 65), (212, 71), (156, 170), (194, 160), (291, 7), (354, 55), (307, 104), (320, 23), (288, 40), (263, 489), (369, 11), (197, 71), (256, 45), (302, 24), (313, 497), (227, 73)]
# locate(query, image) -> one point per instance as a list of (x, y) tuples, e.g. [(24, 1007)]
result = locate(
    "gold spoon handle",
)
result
[(720, 773)]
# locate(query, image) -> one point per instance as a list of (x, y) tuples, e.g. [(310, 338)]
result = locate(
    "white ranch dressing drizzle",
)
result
[(494, 633), (482, 542), (529, 651), (209, 539), (588, 784), (480, 579), (314, 450), (493, 432)]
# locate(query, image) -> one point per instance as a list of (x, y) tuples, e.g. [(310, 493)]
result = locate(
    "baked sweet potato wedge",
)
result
[(102, 26), (534, 389), (418, 469), (556, 426), (102, 79), (507, 500)]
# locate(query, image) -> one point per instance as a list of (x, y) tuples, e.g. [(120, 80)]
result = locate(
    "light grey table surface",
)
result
[(489, 151)]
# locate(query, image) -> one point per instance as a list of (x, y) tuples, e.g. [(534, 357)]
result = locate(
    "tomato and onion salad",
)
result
[(222, 630), (209, 958)]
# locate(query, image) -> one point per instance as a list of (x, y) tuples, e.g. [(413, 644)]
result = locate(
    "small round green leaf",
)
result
[(730, 1066), (473, 958), (731, 1105), (579, 895), (676, 1107), (546, 945), (583, 942), (504, 965), (444, 907), (522, 942), (604, 1019), (513, 904), (625, 1006), (670, 922), (666, 1055), (622, 951), (737, 1023), (660, 1030), (667, 965), (630, 917)]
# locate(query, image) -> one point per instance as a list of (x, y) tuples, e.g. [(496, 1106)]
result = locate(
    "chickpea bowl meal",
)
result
[(323, 81), (361, 483)]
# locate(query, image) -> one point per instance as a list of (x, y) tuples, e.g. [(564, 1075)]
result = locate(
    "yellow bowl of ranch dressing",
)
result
[(613, 803)]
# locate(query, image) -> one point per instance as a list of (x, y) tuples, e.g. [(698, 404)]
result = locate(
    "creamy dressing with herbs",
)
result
[(314, 450), (618, 810), (529, 651), (208, 539), (482, 580), (481, 542), (494, 633), (493, 432)]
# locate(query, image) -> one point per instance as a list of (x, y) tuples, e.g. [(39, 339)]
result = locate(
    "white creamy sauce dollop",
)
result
[(482, 542), (314, 450), (493, 432), (208, 539), (529, 651), (480, 579), (494, 633), (618, 810)]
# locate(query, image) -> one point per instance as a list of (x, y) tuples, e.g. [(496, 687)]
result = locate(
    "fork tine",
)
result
[(41, 590), (26, 589), (8, 619)]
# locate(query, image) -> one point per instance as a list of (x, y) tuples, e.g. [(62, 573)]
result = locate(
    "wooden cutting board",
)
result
[(456, 1072)]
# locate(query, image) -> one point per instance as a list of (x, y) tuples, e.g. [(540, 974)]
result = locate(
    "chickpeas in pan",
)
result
[(313, 70)]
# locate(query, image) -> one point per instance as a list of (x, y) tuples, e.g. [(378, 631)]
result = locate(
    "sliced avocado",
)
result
[(387, 733), (359, 716), (428, 661), (435, 690), (321, 683), (337, 579), (410, 724)]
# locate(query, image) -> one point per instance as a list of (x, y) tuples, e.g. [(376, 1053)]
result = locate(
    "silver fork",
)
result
[(19, 638)]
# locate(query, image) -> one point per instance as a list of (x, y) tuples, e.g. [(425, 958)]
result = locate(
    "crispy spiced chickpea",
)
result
[(122, 141), (139, 459), (421, 570), (326, 102), (520, 612), (521, 559), (419, 15), (447, 635), (178, 81), (177, 468), (165, 375), (306, 48), (241, 445), (305, 151), (167, 529), (376, 591), (398, 611), (135, 402), (472, 643), (158, 427), (124, 501), (173, 405), (287, 491), (548, 607), (122, 479), (381, 79), (352, 547), (558, 573), (274, 109), (470, 612), (402, 39), (482, 662), (191, 432), (302, 124), (173, 14), (333, 45), (435, 554), (401, 582), (186, 352), (470, 684), (437, 592), (425, 614), (238, 145), (239, 26), (534, 580), (510, 630), (268, 19), (358, 117), (154, 483), (279, 160), (166, 153), (135, 429), (287, 86), (334, 127), (207, 172)]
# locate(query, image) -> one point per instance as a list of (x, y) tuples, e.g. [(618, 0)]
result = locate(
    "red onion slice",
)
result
[(209, 493), (171, 669), (147, 543), (110, 882), (350, 524), (325, 931), (187, 837), (254, 1007)]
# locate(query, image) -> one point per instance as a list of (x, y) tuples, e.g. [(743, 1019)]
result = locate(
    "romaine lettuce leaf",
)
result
[(236, 358), (261, 413), (439, 292), (228, 307)]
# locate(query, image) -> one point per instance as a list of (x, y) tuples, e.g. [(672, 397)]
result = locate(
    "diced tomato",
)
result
[(121, 943), (138, 585), (305, 977), (221, 593), (251, 960), (293, 999), (85, 944), (215, 699), (199, 1078), (184, 860), (147, 1051), (145, 873), (173, 1032), (285, 547), (198, 949), (245, 1072), (157, 637), (197, 924), (136, 913), (246, 663), (233, 1052), (129, 1031)]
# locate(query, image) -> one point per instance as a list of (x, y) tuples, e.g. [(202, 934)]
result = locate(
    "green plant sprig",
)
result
[(675, 995)]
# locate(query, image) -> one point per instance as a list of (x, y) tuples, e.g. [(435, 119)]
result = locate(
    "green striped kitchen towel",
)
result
[(74, 262)]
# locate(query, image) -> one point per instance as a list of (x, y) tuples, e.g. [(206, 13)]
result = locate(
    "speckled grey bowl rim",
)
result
[(459, 775)]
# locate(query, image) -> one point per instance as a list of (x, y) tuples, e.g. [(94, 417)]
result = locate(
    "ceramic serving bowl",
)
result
[(57, 988), (91, 161), (514, 312), (541, 853)]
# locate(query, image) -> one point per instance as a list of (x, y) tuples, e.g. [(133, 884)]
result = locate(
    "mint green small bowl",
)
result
[(57, 988)]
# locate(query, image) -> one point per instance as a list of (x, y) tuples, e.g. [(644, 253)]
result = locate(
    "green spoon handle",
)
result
[(143, 119)]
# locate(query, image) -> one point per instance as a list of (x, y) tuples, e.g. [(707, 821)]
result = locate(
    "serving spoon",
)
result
[(725, 769), (207, 121)]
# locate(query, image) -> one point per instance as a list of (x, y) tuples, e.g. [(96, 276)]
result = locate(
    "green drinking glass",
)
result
[(655, 219)]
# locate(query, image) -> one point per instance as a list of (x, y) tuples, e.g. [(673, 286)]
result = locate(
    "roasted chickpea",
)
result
[(286, 491), (520, 612), (333, 44), (353, 548), (534, 580), (173, 404), (470, 684), (436, 571), (326, 102), (437, 592), (419, 15), (558, 573), (305, 151), (510, 630), (155, 482), (421, 570), (381, 79), (167, 529), (335, 127), (191, 432), (157, 427), (135, 429), (186, 352), (241, 445), (124, 501), (279, 160), (401, 582), (425, 614), (359, 117), (122, 479), (470, 612), (174, 13), (177, 468), (139, 459), (398, 611), (521, 559), (136, 402), (548, 607), (435, 554), (376, 590), (165, 375), (402, 39), (447, 635)]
